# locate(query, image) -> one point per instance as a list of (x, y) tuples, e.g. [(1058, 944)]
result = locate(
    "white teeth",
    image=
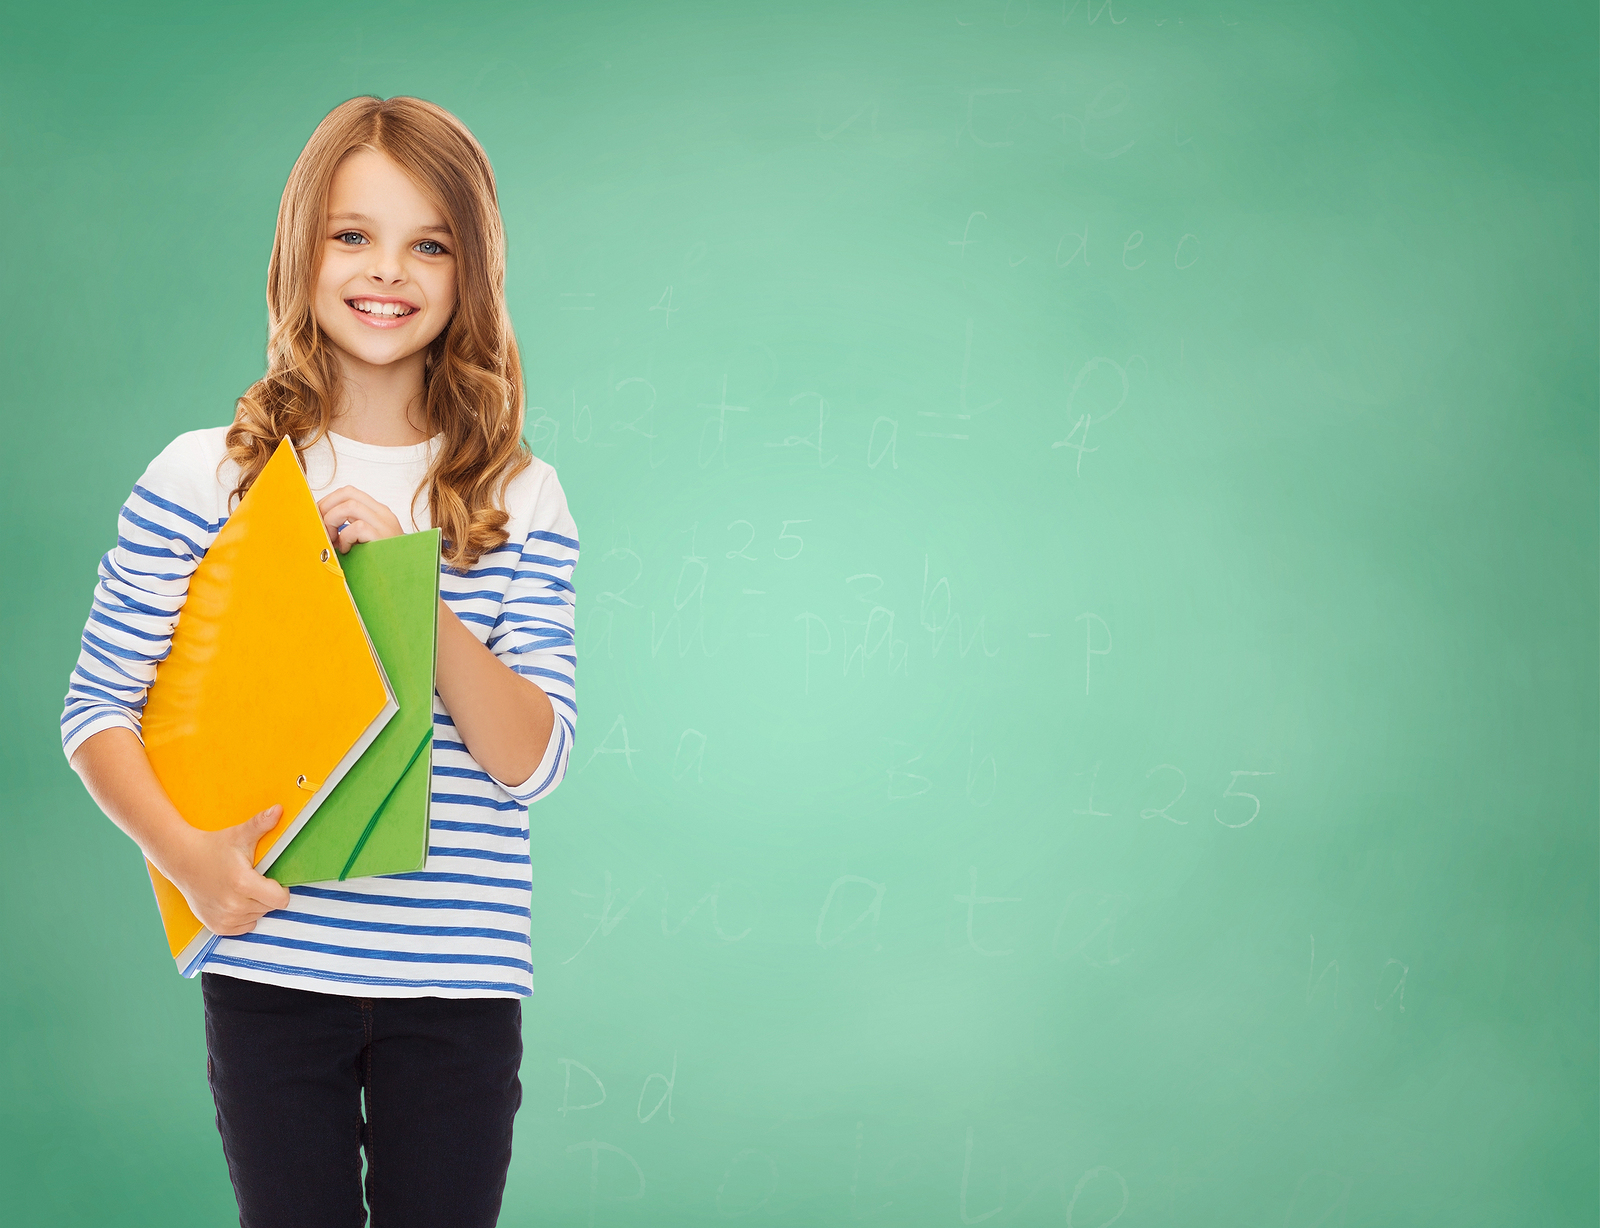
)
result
[(381, 309)]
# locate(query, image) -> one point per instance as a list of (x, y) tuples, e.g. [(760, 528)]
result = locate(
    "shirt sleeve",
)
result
[(163, 531), (534, 633)]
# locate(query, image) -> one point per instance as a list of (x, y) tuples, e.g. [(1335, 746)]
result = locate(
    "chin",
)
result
[(381, 358)]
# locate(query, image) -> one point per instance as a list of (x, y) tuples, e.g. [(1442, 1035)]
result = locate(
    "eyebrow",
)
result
[(362, 217)]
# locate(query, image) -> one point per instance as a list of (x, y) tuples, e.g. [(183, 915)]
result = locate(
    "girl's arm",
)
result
[(166, 526), (213, 869), (504, 717)]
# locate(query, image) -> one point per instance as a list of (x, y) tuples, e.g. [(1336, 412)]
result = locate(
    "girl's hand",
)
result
[(215, 870), (351, 515)]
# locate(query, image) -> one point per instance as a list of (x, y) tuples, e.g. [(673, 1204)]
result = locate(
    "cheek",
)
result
[(447, 294), (443, 296), (324, 300)]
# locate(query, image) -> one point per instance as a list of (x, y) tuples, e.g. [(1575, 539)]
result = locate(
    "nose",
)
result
[(386, 265)]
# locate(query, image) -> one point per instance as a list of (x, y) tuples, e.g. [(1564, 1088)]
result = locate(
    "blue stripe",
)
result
[(406, 901), (165, 505), (484, 829), (541, 672), (111, 683), (555, 582), (544, 535), (563, 626), (511, 859), (554, 767), (148, 526), (404, 957), (539, 633), (466, 799), (105, 660), (522, 573), (164, 552), (152, 575), (488, 571), (356, 978), (472, 880), (533, 643), (536, 600), (127, 654), (95, 616), (99, 694), (544, 629), (95, 714), (539, 642), (525, 670), (465, 773), (116, 576), (128, 603), (389, 927)]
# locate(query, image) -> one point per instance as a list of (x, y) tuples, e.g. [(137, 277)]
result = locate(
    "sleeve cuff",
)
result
[(550, 769), (112, 719)]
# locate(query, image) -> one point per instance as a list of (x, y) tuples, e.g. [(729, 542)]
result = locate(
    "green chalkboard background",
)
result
[(1087, 610)]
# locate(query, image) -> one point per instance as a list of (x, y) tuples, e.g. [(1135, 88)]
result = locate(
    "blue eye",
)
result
[(440, 252)]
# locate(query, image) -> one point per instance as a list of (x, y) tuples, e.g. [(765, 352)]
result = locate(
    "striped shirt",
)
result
[(459, 927)]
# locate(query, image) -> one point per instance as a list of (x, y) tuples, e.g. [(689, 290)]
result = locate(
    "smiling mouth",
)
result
[(381, 311)]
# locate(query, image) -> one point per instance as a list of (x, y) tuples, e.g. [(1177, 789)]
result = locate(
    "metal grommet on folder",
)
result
[(302, 783)]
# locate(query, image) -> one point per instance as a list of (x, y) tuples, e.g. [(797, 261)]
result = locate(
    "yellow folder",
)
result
[(271, 690)]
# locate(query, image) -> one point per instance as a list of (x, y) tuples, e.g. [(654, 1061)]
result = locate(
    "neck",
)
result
[(380, 405)]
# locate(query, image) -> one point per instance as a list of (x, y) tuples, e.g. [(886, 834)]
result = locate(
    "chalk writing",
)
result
[(870, 912), (966, 1176), (973, 900), (595, 1147)]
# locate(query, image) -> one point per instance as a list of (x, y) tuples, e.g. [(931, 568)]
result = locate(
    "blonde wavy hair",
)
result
[(472, 375)]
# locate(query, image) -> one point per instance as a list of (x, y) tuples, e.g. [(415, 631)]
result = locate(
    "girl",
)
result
[(393, 368)]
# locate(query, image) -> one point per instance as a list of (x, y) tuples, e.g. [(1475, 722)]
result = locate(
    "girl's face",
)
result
[(387, 286)]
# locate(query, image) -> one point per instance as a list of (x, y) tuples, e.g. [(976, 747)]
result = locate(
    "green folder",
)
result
[(376, 819)]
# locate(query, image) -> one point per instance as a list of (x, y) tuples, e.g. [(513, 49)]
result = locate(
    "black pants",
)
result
[(289, 1069)]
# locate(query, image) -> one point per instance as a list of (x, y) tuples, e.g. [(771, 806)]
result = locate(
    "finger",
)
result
[(235, 919), (269, 893), (258, 824), (355, 503), (342, 515), (339, 495), (337, 507), (375, 514), (248, 834), (380, 521), (355, 531), (251, 896)]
